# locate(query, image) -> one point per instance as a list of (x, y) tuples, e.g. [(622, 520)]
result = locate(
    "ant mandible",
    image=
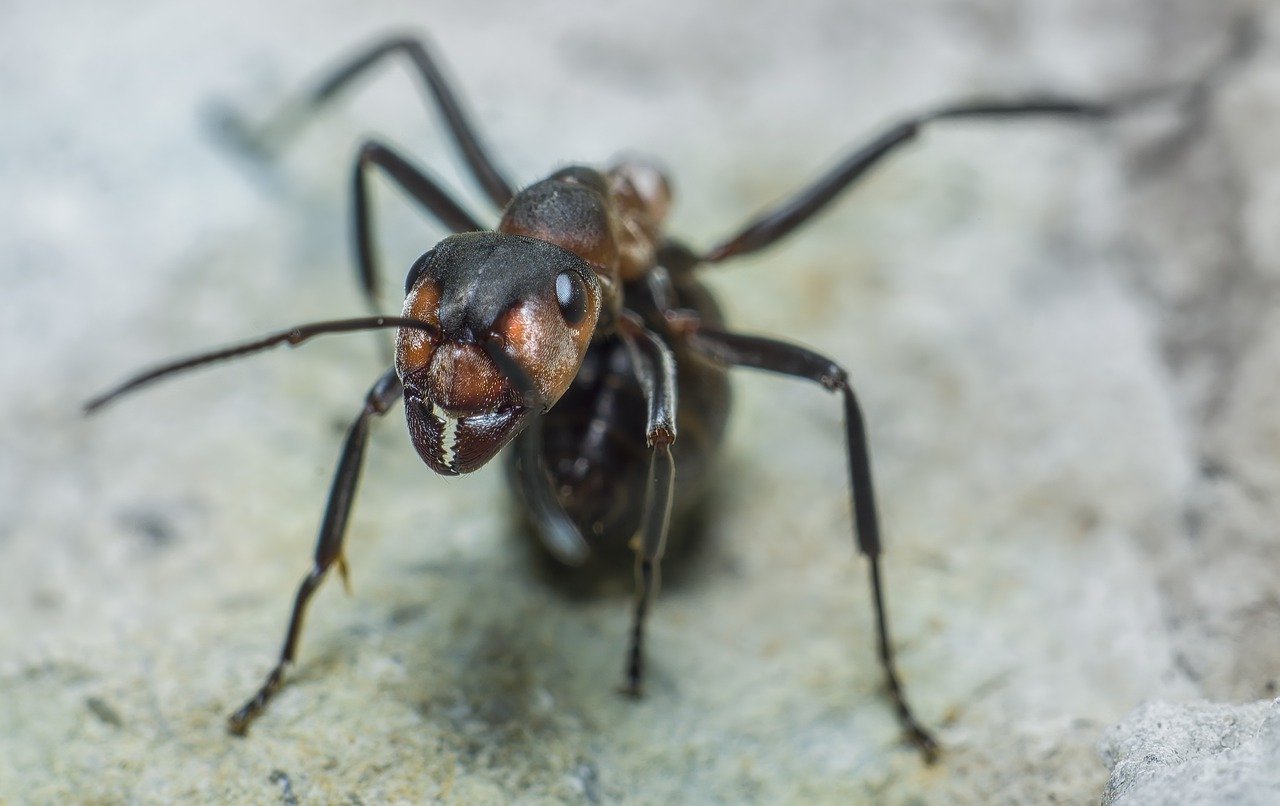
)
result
[(577, 331)]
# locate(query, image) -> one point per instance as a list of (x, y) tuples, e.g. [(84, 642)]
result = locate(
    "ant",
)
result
[(577, 332)]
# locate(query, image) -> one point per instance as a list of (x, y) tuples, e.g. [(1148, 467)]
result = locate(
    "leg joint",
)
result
[(834, 378), (370, 151)]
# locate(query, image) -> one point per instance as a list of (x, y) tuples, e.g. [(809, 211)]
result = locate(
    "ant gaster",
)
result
[(579, 332)]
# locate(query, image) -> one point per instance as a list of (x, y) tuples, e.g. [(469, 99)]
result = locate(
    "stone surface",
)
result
[(1065, 337), (1195, 753)]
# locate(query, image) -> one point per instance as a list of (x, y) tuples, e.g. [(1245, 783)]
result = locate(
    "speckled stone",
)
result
[(1194, 753), (1065, 337)]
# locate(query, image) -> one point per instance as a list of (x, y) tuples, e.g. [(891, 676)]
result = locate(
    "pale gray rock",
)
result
[(1203, 753)]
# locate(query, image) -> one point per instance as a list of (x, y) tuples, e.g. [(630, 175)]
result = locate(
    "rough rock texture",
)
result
[(1195, 753), (1066, 337)]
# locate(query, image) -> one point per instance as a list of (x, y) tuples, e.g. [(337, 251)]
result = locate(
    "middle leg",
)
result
[(732, 349)]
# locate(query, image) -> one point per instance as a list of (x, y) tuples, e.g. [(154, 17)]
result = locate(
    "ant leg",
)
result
[(555, 528), (773, 224), (328, 545), (557, 531), (655, 369), (291, 117), (734, 350), (421, 187)]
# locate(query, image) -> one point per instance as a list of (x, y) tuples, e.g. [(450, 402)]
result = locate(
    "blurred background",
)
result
[(1065, 337)]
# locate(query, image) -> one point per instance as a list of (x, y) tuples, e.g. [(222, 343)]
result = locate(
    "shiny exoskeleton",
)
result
[(575, 330)]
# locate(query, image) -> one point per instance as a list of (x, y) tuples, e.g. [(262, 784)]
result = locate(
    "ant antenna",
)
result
[(293, 337), (512, 370)]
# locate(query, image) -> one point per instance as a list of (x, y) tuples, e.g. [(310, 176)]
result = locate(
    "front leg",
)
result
[(655, 369), (555, 529), (328, 545), (734, 350)]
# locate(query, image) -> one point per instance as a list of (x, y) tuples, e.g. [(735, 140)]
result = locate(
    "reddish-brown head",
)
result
[(515, 315)]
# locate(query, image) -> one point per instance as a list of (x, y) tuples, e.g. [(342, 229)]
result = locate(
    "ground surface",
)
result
[(1204, 753), (1066, 338)]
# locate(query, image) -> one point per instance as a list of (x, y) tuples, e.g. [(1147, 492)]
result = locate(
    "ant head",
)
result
[(515, 316)]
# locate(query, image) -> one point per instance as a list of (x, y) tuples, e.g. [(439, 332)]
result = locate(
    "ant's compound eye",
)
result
[(571, 293), (417, 268)]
